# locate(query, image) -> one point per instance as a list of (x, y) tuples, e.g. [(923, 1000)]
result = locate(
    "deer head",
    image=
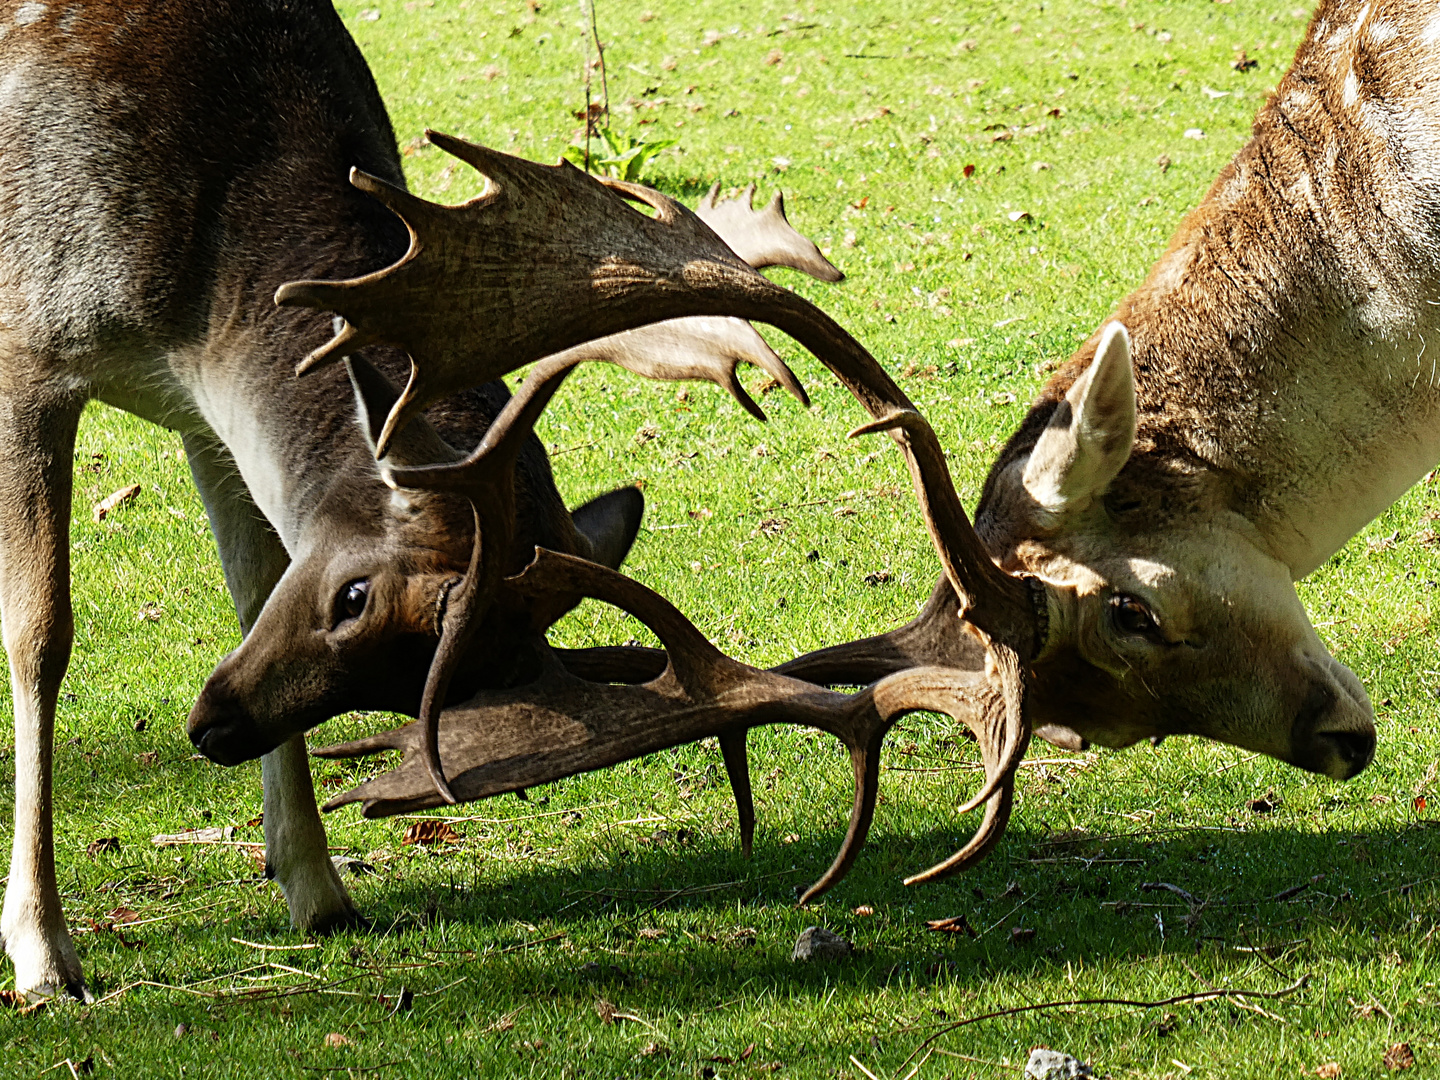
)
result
[(356, 620), (1171, 613), (1179, 615)]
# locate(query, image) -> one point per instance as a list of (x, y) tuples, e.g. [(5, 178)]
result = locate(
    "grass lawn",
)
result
[(992, 177)]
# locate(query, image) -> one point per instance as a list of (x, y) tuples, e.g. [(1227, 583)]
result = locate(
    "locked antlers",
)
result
[(559, 724), (544, 259)]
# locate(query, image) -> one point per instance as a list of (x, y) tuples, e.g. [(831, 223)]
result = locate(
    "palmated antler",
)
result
[(764, 237), (625, 270), (545, 259), (705, 347), (710, 347), (559, 725)]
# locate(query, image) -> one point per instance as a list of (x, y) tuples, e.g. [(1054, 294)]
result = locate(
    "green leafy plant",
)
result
[(617, 155)]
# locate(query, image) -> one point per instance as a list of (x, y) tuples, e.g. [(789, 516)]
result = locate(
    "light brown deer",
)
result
[(162, 170), (1269, 389)]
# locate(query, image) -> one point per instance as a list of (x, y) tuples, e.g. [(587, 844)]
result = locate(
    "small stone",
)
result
[(1053, 1065), (817, 943)]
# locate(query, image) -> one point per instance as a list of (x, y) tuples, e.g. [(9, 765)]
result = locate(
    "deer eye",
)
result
[(350, 600), (1132, 616)]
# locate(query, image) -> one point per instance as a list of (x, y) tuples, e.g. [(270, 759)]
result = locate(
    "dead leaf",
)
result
[(11, 999), (1019, 935), (505, 1022), (775, 57), (1329, 1071), (1266, 804), (336, 1039), (150, 757), (123, 915), (955, 924), (103, 845), (431, 831), (1399, 1056), (653, 1048), (1243, 62), (605, 1011), (114, 501), (879, 577), (150, 612), (864, 911)]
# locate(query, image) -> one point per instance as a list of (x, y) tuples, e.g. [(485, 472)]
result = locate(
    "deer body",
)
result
[(162, 169), (1285, 392)]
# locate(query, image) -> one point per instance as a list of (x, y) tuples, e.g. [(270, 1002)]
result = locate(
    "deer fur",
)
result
[(1284, 394), (162, 170)]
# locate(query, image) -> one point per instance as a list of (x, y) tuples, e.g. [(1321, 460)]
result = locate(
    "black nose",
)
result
[(1355, 748)]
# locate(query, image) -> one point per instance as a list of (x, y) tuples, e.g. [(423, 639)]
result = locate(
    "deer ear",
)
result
[(610, 523), (1089, 438), (416, 444)]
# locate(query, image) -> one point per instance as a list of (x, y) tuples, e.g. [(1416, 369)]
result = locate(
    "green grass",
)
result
[(867, 118)]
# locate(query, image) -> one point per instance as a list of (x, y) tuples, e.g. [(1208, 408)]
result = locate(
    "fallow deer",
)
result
[(1250, 407), (162, 170)]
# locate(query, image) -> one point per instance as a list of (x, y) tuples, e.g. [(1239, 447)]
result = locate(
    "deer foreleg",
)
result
[(37, 440), (297, 855)]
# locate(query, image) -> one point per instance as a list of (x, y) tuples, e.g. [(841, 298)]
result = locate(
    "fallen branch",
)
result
[(1178, 999)]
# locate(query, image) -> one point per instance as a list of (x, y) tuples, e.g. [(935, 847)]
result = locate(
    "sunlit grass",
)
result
[(630, 883)]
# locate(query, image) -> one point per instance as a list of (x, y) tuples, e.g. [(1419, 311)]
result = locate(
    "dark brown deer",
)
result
[(566, 713), (162, 170)]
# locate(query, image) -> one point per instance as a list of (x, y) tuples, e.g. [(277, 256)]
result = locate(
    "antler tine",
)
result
[(866, 761), (966, 696), (487, 479), (764, 237), (1000, 782), (737, 767), (1011, 608)]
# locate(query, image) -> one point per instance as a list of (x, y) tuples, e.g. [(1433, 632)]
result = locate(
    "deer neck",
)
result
[(1287, 345)]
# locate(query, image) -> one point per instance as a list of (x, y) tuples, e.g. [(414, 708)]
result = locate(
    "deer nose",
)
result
[(1351, 750), (1334, 730)]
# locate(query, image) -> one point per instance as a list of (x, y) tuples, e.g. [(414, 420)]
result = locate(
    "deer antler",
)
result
[(504, 740), (706, 347), (460, 252), (545, 259), (764, 237)]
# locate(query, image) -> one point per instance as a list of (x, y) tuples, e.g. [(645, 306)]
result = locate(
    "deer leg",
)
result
[(37, 442), (297, 856)]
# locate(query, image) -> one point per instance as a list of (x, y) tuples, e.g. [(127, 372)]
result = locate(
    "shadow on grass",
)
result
[(720, 921)]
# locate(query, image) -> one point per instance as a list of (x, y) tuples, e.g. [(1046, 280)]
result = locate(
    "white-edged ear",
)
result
[(418, 443), (1089, 438)]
